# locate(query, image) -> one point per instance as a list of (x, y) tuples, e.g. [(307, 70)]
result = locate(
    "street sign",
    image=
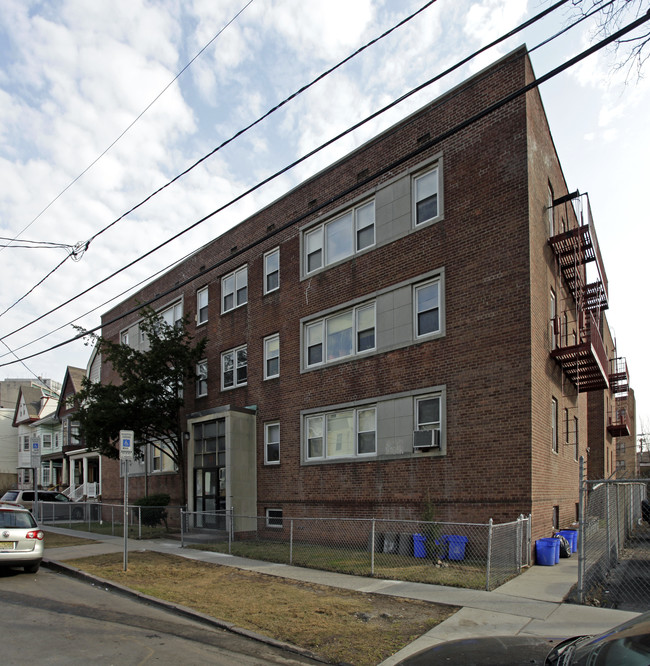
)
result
[(126, 444), (36, 453)]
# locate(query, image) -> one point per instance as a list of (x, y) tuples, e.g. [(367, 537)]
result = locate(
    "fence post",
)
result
[(581, 531), (489, 557), (372, 548), (291, 542), (231, 529), (608, 526), (182, 528), (139, 522), (520, 544)]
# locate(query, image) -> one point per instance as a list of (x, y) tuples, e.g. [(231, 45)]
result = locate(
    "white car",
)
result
[(21, 540)]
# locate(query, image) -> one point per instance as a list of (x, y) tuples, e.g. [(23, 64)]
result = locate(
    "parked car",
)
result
[(21, 540), (628, 643), (55, 504)]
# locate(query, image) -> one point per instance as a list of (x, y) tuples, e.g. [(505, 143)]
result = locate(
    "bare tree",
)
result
[(633, 50)]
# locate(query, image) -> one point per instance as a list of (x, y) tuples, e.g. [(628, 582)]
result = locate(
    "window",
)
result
[(201, 378), (427, 417), (234, 289), (341, 237), (554, 417), (575, 437), (234, 368), (161, 461), (274, 517), (45, 475), (271, 270), (272, 357), (549, 211), (340, 335), (272, 443), (124, 338), (556, 518), (427, 308), (202, 306), (343, 434), (173, 315), (47, 442), (25, 442), (553, 315), (426, 196)]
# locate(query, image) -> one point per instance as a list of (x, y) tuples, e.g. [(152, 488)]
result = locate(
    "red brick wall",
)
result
[(493, 360)]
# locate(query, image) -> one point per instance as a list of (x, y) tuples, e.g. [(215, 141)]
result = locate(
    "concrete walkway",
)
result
[(531, 604)]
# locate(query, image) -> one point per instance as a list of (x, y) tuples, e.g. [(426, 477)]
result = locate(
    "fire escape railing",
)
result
[(619, 423), (582, 355)]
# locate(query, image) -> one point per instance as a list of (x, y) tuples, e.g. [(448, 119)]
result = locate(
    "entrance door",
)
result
[(209, 459)]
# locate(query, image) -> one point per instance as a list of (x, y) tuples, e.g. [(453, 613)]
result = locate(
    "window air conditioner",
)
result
[(426, 439)]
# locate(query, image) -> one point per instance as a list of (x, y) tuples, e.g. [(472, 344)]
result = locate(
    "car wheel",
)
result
[(32, 568), (77, 513)]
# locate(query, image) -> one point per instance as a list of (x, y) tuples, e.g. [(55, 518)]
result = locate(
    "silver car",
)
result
[(21, 540)]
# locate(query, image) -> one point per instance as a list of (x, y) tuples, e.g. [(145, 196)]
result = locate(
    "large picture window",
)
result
[(234, 368), (340, 238), (343, 434), (340, 335), (234, 289)]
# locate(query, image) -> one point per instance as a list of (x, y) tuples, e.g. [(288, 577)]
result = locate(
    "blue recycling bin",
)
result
[(572, 537), (455, 546), (545, 552), (419, 547)]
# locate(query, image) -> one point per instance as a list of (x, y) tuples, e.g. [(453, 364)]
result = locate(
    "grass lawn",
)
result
[(394, 567), (339, 625), (54, 540)]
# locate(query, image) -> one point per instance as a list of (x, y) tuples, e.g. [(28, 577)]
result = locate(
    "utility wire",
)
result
[(153, 101), (227, 141), (393, 165), (297, 161)]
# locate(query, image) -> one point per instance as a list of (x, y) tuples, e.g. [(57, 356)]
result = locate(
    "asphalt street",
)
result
[(49, 618)]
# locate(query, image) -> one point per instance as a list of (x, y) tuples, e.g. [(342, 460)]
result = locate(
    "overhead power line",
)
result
[(327, 143), (224, 143), (393, 165), (153, 101)]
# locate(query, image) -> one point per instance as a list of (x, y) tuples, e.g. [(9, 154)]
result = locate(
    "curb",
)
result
[(184, 611)]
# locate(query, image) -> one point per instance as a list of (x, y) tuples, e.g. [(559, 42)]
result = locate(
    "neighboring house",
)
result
[(8, 450), (81, 467), (415, 324), (33, 406)]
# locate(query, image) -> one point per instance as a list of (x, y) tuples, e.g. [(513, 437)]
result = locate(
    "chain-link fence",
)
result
[(614, 544), (479, 556), (143, 522)]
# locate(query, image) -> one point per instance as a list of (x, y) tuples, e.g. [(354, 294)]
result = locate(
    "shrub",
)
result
[(153, 512)]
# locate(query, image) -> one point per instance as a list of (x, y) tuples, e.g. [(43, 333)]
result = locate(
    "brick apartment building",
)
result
[(414, 323)]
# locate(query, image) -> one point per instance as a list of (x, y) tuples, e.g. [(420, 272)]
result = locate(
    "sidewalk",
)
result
[(531, 604)]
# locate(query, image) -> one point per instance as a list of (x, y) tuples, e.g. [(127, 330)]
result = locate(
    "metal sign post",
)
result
[(36, 468), (126, 455)]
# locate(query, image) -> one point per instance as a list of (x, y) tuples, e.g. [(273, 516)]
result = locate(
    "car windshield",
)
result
[(10, 518)]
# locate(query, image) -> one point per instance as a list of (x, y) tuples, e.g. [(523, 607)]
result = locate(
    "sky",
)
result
[(100, 107)]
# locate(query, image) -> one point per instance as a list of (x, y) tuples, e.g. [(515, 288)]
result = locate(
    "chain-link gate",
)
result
[(614, 544)]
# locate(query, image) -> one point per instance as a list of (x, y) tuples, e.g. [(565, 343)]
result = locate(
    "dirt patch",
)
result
[(340, 625)]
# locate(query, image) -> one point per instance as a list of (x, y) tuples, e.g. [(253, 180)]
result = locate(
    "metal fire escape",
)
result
[(618, 420), (578, 346)]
